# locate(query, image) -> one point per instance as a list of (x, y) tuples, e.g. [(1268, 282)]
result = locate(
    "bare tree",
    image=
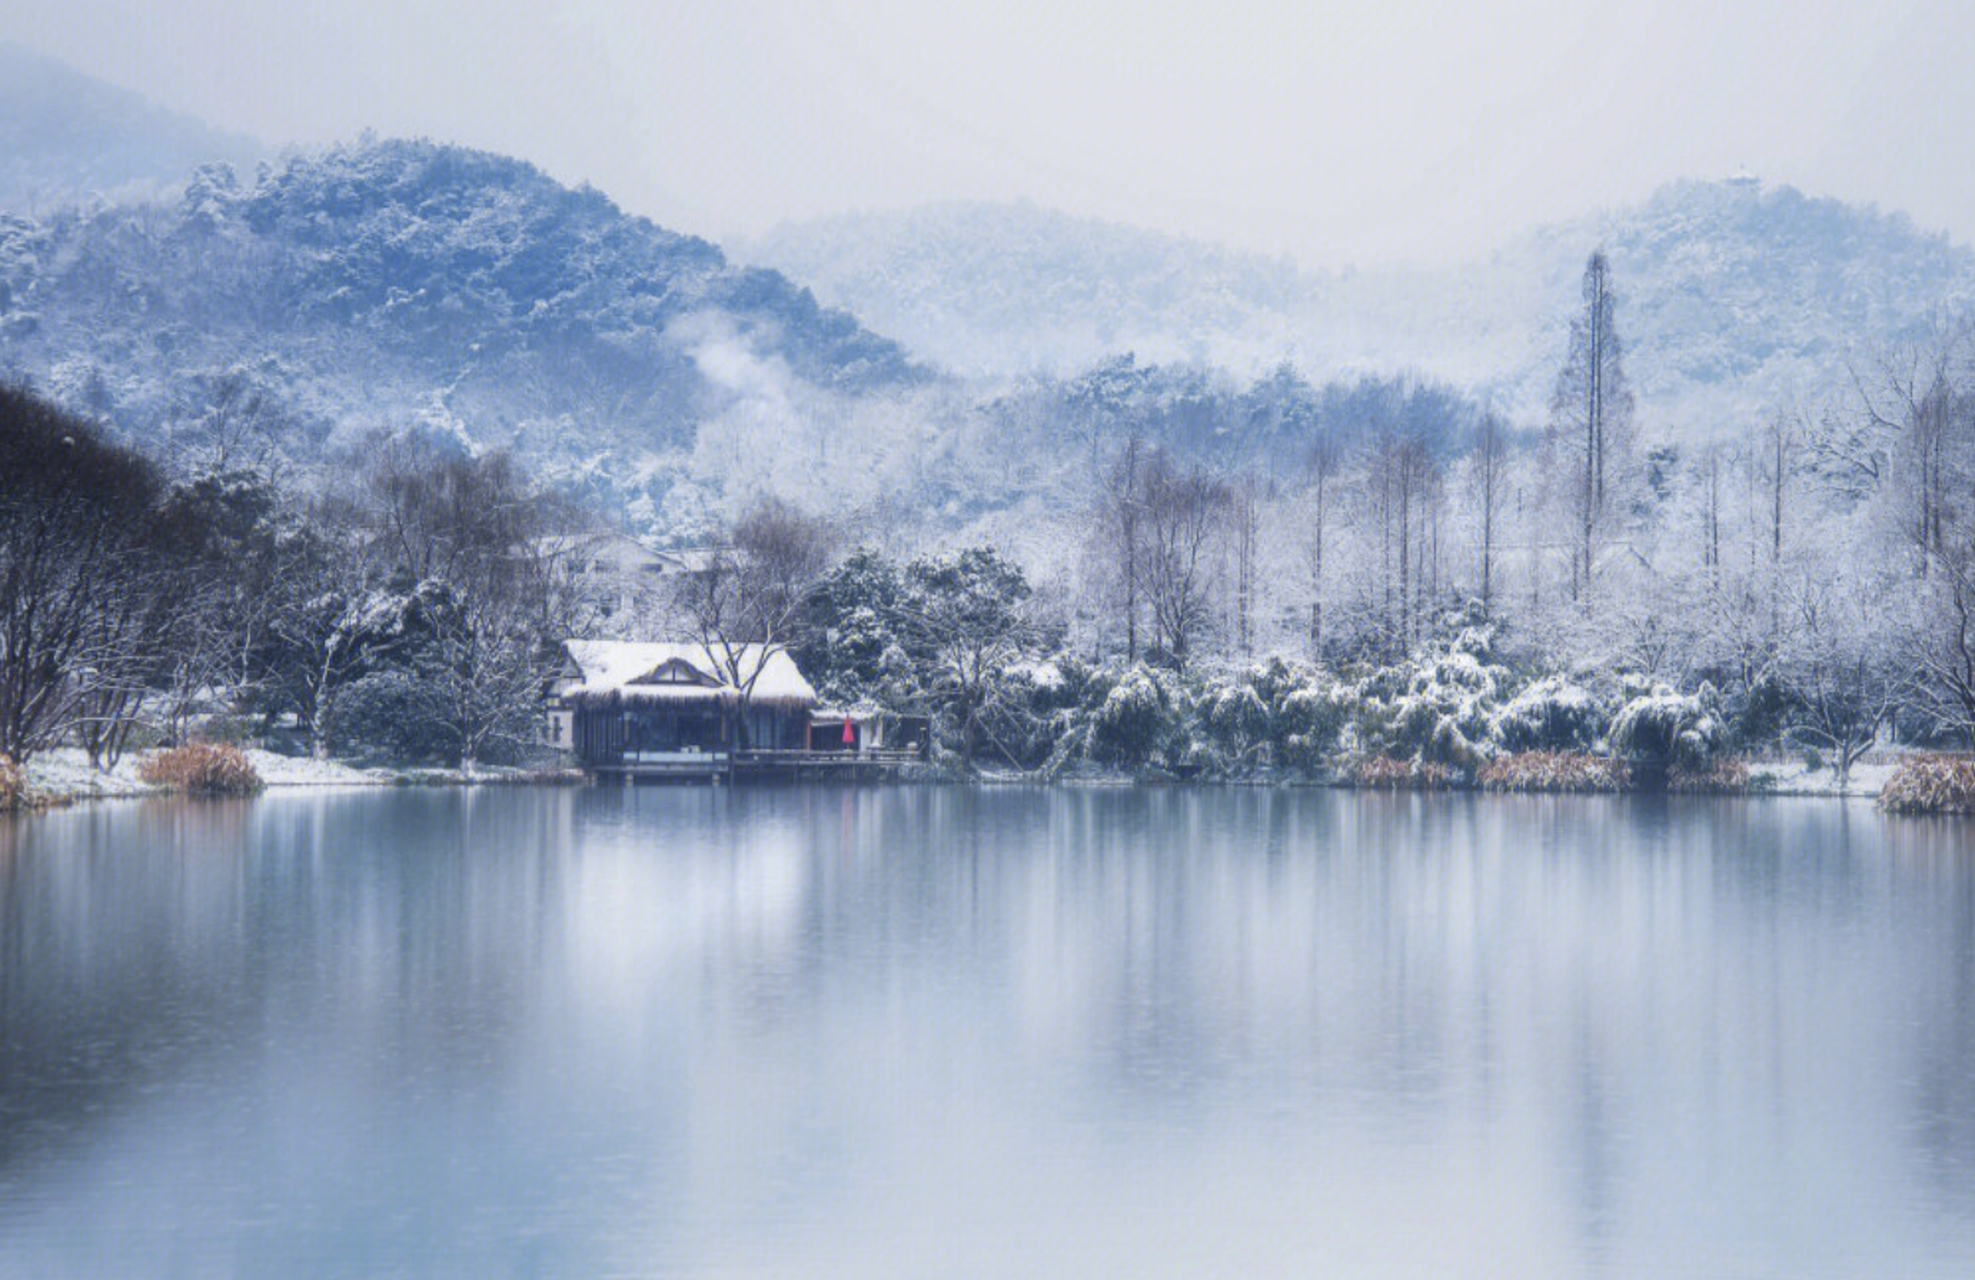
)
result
[(1322, 467), (1711, 467), (1488, 466), (743, 605), (1838, 664), (1403, 485), (1922, 413), (1184, 510), (1917, 419), (1119, 517), (84, 591), (1245, 531)]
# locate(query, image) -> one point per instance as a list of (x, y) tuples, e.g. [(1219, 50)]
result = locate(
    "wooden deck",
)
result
[(823, 762), (721, 766)]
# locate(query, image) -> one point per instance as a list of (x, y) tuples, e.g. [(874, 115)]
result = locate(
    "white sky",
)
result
[(1339, 133)]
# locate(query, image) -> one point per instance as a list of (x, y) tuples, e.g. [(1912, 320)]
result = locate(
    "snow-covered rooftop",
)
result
[(658, 671)]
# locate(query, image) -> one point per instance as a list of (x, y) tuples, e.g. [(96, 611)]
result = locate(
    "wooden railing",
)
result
[(826, 759)]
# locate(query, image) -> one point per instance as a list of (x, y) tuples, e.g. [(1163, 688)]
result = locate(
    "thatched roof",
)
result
[(681, 674)]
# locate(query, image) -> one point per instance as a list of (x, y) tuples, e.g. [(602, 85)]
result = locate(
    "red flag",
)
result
[(849, 733)]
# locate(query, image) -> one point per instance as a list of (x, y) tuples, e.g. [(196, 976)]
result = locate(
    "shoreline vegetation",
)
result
[(1897, 782), (63, 777)]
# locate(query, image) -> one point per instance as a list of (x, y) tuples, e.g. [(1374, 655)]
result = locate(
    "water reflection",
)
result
[(986, 1032)]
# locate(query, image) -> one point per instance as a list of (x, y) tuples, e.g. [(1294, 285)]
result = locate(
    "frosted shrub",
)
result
[(1384, 773), (1134, 721), (1550, 715), (1032, 714), (1664, 727), (1443, 715), (1554, 771), (204, 768), (1236, 719), (13, 784), (1451, 747), (1197, 757), (1931, 784), (1456, 672), (1311, 720), (1723, 776)]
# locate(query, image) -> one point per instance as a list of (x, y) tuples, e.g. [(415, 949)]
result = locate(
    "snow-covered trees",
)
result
[(966, 617), (1592, 418), (1839, 662), (743, 604), (1487, 477), (1185, 510)]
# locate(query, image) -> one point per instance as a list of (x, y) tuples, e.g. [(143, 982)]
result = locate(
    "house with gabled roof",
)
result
[(679, 707)]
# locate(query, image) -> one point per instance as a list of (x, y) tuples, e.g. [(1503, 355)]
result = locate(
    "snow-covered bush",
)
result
[(390, 716), (1760, 713), (1553, 714), (1311, 722), (203, 768), (1449, 745), (1201, 758), (1136, 721), (1668, 728), (1235, 718), (1438, 707)]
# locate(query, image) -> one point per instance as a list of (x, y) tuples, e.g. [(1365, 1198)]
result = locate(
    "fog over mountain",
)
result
[(66, 137), (1732, 295), (410, 286)]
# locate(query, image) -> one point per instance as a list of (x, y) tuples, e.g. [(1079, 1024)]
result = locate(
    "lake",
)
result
[(1023, 1032)]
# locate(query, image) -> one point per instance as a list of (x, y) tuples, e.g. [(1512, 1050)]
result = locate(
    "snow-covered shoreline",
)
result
[(63, 775)]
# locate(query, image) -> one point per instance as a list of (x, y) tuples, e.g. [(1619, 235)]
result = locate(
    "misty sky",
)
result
[(1339, 133)]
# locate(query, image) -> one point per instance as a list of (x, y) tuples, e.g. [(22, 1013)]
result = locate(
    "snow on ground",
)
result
[(303, 771), (64, 772), (1793, 779)]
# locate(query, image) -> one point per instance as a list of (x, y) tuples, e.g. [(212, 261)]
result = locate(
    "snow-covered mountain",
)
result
[(403, 285), (997, 289), (406, 285), (1732, 296), (66, 138)]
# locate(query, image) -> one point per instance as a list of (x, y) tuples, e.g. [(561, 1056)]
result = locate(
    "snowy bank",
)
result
[(63, 774)]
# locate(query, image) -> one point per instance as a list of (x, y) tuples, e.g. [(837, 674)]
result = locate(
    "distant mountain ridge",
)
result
[(411, 286), (1730, 294), (66, 137)]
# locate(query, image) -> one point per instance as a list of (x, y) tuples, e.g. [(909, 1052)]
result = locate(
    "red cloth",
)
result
[(849, 733)]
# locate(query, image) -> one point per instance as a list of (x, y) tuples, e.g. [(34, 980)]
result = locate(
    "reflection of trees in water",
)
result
[(1598, 986), (1932, 855), (103, 982), (170, 946)]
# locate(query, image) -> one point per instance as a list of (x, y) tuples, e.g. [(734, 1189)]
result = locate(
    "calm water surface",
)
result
[(948, 1032)]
